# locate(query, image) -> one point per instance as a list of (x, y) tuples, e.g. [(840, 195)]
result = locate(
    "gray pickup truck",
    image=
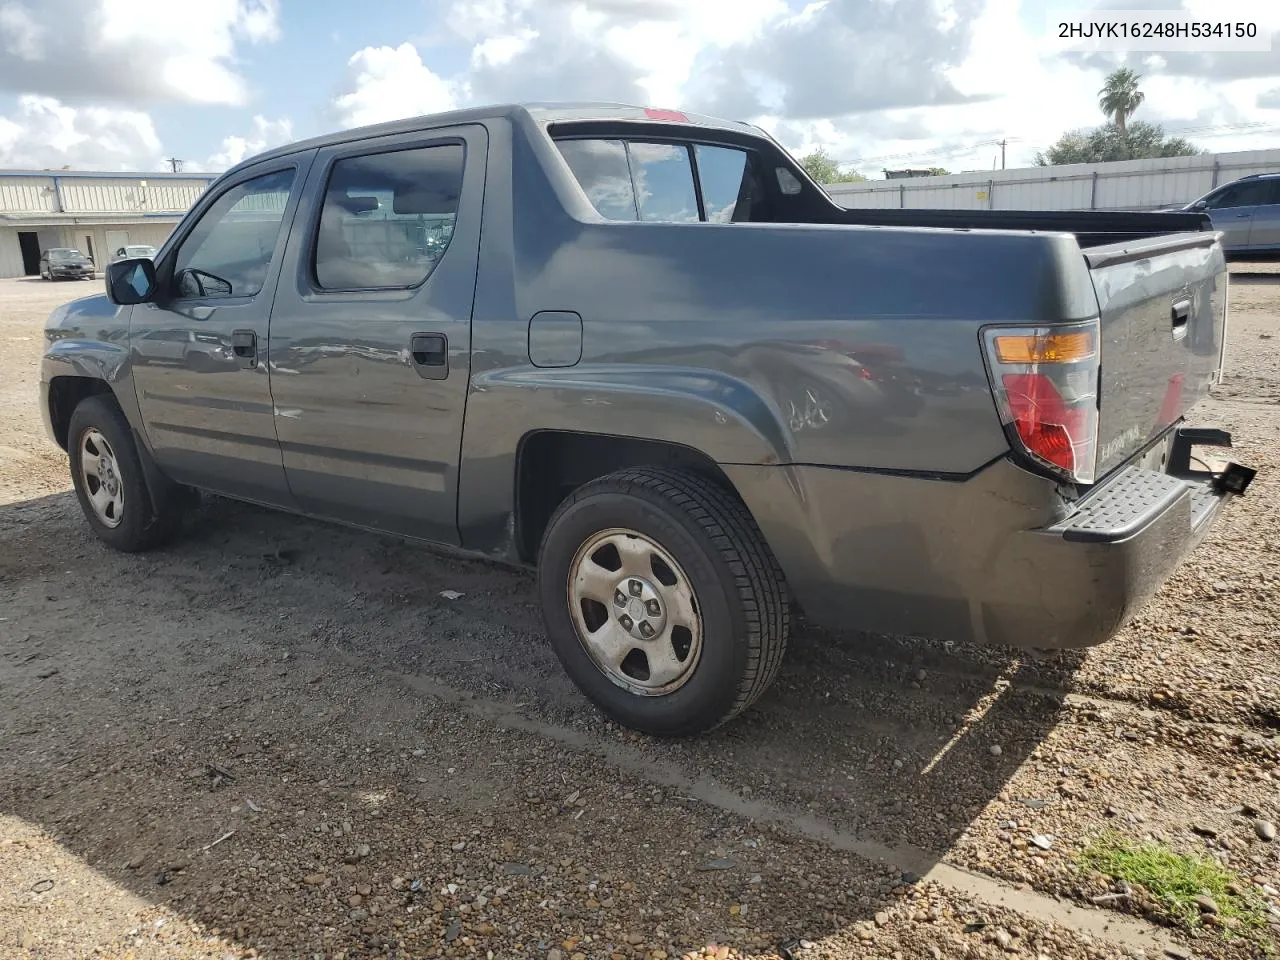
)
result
[(645, 352)]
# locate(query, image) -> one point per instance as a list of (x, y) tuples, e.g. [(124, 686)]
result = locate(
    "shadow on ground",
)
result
[(309, 688)]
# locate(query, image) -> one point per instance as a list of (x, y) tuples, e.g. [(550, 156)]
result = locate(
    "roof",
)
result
[(109, 175), (542, 114)]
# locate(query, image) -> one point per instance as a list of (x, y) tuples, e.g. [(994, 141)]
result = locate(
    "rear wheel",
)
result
[(107, 474), (662, 600)]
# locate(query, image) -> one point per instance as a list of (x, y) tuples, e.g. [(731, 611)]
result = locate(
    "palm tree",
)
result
[(1120, 96)]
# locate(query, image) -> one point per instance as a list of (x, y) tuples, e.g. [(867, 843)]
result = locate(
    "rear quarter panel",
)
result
[(726, 337)]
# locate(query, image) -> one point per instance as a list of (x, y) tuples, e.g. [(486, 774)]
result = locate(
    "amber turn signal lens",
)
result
[(1049, 348)]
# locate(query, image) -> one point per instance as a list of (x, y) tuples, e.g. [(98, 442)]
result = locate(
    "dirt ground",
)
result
[(276, 738)]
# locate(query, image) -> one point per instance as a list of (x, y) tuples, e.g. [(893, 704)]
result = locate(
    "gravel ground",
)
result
[(276, 738)]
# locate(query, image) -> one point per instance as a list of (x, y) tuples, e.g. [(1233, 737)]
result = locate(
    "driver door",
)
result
[(211, 424)]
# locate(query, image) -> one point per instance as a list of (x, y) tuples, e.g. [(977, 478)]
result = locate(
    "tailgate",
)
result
[(1163, 308)]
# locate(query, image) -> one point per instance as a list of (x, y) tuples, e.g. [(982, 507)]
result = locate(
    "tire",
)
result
[(733, 632), (138, 524)]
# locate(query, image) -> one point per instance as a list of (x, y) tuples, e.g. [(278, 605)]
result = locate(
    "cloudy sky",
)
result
[(124, 84)]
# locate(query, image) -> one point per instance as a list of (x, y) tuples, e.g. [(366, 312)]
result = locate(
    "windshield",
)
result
[(139, 251), (65, 254)]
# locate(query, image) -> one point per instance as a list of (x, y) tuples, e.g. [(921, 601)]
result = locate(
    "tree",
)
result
[(940, 171), (1120, 96), (819, 165), (1139, 141)]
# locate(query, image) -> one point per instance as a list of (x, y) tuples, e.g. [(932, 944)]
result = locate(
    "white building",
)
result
[(96, 213)]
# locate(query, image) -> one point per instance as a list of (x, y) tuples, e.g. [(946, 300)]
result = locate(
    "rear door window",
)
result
[(388, 218)]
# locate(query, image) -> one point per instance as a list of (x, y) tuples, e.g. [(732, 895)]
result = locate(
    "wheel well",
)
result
[(65, 394), (551, 464)]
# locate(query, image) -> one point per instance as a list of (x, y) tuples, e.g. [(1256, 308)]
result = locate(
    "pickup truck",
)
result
[(643, 351)]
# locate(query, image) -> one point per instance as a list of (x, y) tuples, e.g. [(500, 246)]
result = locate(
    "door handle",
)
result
[(244, 344), (430, 355), (1181, 314)]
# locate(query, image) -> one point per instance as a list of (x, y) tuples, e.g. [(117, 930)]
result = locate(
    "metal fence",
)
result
[(1124, 185)]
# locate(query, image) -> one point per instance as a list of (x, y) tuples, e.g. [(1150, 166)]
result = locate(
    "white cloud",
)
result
[(665, 51), (265, 135), (44, 133), (501, 49), (388, 83), (628, 50), (22, 35), (131, 51), (1028, 94), (919, 82)]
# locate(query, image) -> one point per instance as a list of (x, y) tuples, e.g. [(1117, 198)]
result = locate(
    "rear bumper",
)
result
[(1090, 572), (998, 558)]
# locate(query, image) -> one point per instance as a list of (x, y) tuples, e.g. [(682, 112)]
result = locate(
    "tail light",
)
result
[(1045, 381)]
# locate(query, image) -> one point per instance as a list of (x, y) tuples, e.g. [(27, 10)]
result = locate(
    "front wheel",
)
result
[(109, 482), (662, 600)]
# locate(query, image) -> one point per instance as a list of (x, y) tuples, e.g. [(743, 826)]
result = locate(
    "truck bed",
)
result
[(1092, 228)]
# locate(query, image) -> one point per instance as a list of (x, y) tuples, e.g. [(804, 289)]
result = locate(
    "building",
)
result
[(96, 213)]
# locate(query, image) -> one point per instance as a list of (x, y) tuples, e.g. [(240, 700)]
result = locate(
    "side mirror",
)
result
[(1200, 205), (131, 281)]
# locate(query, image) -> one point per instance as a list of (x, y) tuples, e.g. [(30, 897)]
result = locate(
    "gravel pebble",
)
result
[(1170, 724)]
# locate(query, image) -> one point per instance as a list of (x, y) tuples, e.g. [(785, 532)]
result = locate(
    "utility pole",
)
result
[(174, 164), (1002, 146)]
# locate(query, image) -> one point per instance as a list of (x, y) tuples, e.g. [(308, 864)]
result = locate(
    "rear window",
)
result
[(663, 179), (640, 180), (731, 188), (601, 169)]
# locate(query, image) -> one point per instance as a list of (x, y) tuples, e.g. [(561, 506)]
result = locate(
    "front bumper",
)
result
[(998, 558), (72, 273)]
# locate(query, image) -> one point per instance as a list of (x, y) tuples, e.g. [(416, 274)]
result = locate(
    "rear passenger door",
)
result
[(371, 331)]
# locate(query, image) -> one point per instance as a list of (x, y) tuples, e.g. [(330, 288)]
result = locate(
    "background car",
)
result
[(65, 263), (1247, 211), (134, 251)]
